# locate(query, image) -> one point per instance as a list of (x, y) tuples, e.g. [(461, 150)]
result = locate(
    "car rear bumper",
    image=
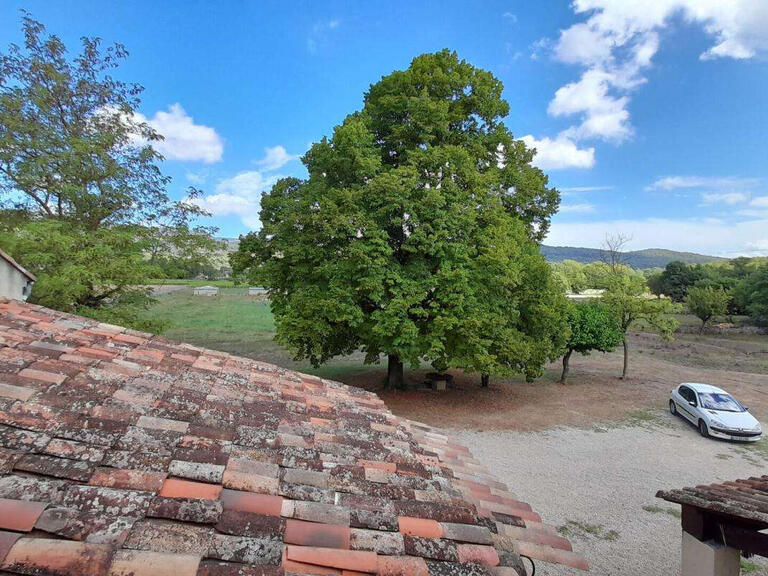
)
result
[(735, 435)]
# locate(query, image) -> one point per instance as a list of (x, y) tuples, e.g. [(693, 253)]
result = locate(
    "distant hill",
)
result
[(649, 258)]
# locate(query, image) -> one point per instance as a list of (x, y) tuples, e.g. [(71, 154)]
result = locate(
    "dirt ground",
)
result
[(594, 392)]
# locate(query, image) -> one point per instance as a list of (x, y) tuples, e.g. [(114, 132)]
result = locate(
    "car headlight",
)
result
[(757, 428), (717, 423)]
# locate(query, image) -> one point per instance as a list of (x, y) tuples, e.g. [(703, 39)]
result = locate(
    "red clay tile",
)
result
[(292, 567), (43, 376), (7, 540), (478, 554), (241, 501), (315, 534), (547, 554), (145, 480), (96, 353), (401, 566), (334, 558), (389, 467), (16, 392), (176, 488), (60, 557), (19, 515), (148, 563), (420, 527)]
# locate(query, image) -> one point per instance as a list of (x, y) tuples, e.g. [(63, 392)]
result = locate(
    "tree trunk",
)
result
[(566, 360), (703, 324), (395, 372), (485, 380), (626, 358)]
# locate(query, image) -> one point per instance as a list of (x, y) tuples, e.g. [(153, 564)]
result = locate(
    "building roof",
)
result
[(745, 499), (124, 453), (16, 265)]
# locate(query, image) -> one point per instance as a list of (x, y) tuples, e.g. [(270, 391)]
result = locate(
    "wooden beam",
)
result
[(749, 541)]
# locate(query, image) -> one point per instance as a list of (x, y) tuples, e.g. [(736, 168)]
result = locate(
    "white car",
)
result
[(715, 412)]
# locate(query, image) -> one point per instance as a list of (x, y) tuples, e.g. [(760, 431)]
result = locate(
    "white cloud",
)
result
[(196, 177), (239, 196), (510, 17), (713, 183), (583, 189), (183, 139), (729, 198), (560, 153), (706, 236), (582, 208), (760, 202), (616, 42), (275, 157), (319, 34)]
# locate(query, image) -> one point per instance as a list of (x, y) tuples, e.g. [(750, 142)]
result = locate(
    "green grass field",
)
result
[(243, 325), (173, 282), (239, 324)]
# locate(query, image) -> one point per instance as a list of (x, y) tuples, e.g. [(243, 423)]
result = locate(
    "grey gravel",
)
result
[(595, 483)]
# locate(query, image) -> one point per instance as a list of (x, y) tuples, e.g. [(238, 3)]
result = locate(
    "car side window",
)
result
[(686, 393)]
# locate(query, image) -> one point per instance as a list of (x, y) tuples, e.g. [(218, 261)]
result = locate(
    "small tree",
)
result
[(593, 326), (626, 298), (706, 302)]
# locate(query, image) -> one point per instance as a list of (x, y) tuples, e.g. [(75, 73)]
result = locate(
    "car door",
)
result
[(690, 412)]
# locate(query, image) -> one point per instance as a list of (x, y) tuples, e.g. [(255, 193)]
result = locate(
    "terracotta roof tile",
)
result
[(145, 563), (60, 557), (177, 488), (316, 534), (19, 515), (142, 456)]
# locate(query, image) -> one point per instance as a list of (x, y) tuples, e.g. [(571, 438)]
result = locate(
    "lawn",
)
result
[(240, 324), (182, 282)]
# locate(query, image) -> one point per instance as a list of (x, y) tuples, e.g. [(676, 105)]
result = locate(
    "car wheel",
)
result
[(703, 429), (672, 408)]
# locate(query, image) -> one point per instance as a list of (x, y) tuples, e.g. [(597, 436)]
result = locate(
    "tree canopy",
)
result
[(705, 302), (625, 297), (84, 199), (415, 234), (592, 326)]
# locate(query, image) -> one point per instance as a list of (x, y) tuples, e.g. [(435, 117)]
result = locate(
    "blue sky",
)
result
[(650, 117)]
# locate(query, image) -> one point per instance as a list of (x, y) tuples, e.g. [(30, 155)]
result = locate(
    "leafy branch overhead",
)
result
[(415, 234)]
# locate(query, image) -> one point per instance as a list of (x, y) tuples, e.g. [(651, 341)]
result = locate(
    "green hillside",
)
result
[(649, 258)]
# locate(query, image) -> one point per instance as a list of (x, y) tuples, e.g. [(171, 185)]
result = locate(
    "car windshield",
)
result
[(720, 401)]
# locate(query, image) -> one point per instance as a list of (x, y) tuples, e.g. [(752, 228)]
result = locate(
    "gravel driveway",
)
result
[(599, 484)]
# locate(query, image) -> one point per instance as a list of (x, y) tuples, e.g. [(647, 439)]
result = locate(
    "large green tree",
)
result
[(592, 326), (84, 199), (415, 234)]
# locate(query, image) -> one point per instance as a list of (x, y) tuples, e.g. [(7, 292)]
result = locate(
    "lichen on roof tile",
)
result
[(126, 453)]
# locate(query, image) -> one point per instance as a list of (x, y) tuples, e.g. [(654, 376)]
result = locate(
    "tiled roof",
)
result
[(123, 453), (746, 499)]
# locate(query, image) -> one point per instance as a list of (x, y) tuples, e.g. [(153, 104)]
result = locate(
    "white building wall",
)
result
[(13, 284)]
